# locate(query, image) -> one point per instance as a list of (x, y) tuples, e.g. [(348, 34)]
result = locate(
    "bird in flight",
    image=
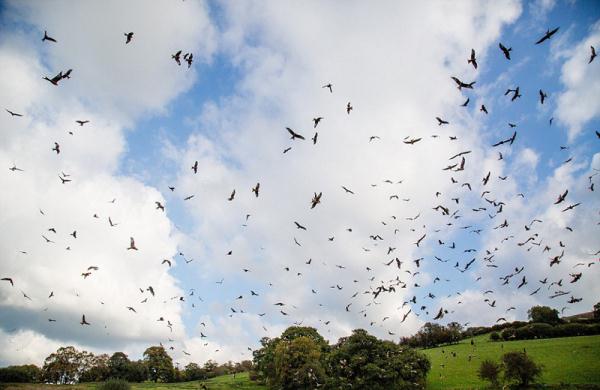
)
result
[(330, 86), (347, 190), (472, 60), (48, 37), (294, 134), (56, 148), (8, 280), (316, 121), (316, 200), (128, 37), (561, 197), (505, 50), (593, 55), (83, 321), (177, 57), (543, 96), (548, 35), (12, 113), (461, 85), (81, 123), (132, 244), (441, 121), (54, 80), (256, 189), (231, 196), (195, 167), (14, 168)]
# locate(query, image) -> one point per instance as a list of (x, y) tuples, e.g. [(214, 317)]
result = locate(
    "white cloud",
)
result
[(578, 103)]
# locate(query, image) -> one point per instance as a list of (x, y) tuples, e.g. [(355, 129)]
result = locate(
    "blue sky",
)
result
[(255, 74)]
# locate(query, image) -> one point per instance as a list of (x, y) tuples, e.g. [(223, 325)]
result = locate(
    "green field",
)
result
[(225, 382), (569, 360)]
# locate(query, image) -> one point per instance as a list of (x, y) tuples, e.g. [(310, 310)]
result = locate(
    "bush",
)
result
[(494, 336), (490, 371), (115, 384), (520, 368)]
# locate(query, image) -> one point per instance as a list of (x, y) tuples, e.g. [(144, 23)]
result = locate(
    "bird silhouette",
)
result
[(48, 37), (505, 50), (132, 244), (547, 35), (472, 60), (128, 37)]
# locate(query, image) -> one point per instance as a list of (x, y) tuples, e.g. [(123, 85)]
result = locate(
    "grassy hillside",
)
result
[(225, 382), (569, 360)]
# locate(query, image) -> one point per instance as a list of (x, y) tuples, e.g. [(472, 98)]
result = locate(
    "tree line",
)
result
[(302, 359), (68, 365)]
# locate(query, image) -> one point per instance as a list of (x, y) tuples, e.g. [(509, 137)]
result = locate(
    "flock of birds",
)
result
[(415, 306)]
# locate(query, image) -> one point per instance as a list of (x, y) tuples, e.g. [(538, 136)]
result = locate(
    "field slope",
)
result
[(568, 360), (225, 382)]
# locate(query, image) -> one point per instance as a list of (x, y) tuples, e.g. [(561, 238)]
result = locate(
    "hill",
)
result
[(568, 360), (224, 382)]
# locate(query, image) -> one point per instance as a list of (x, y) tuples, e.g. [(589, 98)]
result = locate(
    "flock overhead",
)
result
[(360, 295)]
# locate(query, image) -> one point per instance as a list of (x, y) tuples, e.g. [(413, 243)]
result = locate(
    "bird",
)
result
[(349, 108), (483, 109), (441, 121), (12, 113), (461, 85), (8, 280), (177, 57), (54, 80), (347, 190), (81, 123), (231, 196), (83, 321), (189, 58), (543, 96), (329, 86), (128, 37), (14, 169), (314, 138), (466, 103), (593, 55), (130, 309), (166, 261), (132, 244), (48, 37), (159, 206), (56, 148), (505, 50), (316, 200), (298, 226), (255, 189), (561, 197), (316, 121), (294, 134), (472, 60), (420, 239), (195, 167), (412, 141), (547, 35), (440, 314)]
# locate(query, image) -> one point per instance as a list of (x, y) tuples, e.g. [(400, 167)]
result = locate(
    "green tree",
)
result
[(362, 361), (490, 371), (520, 368), (66, 365), (194, 372), (159, 364), (118, 365), (96, 369), (543, 314), (29, 373), (597, 311), (298, 364), (137, 371)]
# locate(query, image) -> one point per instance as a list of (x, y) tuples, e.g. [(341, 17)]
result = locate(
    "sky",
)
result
[(258, 68)]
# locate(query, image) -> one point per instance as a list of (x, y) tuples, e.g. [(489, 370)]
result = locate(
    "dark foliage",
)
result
[(519, 368)]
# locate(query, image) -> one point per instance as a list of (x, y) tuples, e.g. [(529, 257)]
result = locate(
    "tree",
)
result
[(193, 372), (29, 373), (96, 369), (118, 364), (159, 364), (597, 311), (298, 364), (520, 368), (490, 371), (66, 365), (543, 314), (362, 361)]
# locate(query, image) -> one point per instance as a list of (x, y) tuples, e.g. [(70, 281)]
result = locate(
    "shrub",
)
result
[(494, 336), (520, 368), (115, 384), (490, 371)]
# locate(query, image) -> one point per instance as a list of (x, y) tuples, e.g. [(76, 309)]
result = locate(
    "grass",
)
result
[(224, 382), (568, 360)]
